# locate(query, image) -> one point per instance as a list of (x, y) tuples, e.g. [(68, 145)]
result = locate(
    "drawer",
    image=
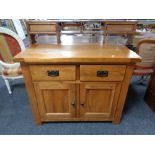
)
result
[(120, 28), (102, 72), (52, 72), (42, 28)]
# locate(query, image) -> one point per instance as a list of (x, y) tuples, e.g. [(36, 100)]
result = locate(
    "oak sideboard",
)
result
[(77, 82)]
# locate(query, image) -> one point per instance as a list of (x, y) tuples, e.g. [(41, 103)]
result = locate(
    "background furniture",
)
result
[(10, 45), (120, 28), (150, 93), (62, 27), (124, 30), (77, 82), (42, 28), (145, 29), (141, 35), (71, 27), (8, 23), (16, 25), (146, 49)]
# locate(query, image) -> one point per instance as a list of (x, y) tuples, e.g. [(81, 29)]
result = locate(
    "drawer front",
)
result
[(102, 72), (120, 28), (52, 72), (42, 28)]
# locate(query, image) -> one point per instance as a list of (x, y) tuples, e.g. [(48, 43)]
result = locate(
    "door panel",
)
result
[(98, 99), (56, 100)]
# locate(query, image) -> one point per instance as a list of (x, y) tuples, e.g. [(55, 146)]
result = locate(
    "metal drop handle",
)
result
[(53, 73), (102, 73)]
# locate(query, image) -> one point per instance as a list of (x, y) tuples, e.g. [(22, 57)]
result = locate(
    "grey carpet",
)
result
[(16, 116)]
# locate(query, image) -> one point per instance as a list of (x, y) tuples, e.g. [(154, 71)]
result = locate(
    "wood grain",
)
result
[(89, 72), (31, 92), (40, 72), (56, 100), (42, 28), (98, 99), (120, 28), (123, 94), (92, 54)]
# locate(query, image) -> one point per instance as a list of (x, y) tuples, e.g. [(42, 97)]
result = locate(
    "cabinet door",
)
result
[(56, 100), (98, 100)]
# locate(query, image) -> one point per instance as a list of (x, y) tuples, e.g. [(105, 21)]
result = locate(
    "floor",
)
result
[(16, 116)]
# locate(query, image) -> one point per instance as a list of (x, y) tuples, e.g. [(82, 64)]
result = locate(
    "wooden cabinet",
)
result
[(77, 82)]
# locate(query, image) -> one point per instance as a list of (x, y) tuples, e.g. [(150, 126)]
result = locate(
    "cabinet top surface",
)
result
[(92, 53)]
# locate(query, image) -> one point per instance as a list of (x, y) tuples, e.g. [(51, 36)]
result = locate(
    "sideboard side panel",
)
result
[(123, 94), (31, 92)]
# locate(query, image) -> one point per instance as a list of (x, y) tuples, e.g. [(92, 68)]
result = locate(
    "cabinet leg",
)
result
[(38, 122), (117, 118), (116, 121)]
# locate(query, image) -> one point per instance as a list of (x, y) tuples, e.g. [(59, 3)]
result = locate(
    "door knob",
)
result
[(73, 102), (82, 102)]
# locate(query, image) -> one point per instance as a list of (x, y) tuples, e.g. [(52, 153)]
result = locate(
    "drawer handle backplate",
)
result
[(102, 73), (53, 73)]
